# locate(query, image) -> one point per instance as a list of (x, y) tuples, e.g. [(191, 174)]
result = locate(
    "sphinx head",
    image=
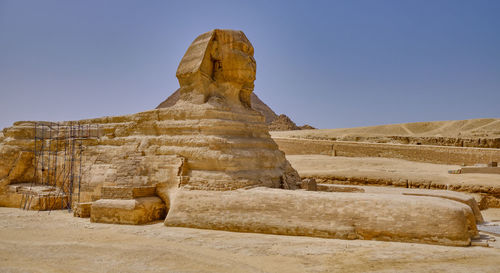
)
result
[(219, 64)]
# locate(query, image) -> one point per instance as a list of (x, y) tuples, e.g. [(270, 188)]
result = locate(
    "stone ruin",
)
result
[(208, 161)]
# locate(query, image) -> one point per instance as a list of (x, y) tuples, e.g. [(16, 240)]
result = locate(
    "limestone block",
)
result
[(33, 197), (309, 184), (490, 170), (489, 201), (15, 164), (124, 192), (132, 211), (330, 215), (455, 196), (336, 188), (11, 199), (82, 210), (47, 202)]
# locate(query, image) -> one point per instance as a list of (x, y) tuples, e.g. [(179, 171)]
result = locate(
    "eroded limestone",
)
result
[(329, 215)]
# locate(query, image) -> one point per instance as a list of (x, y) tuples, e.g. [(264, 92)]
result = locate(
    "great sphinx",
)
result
[(209, 162), (211, 139)]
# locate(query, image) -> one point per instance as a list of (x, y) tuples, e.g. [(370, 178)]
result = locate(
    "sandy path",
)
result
[(38, 242)]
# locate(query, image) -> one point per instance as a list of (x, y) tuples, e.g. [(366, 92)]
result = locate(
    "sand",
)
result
[(57, 242), (487, 127), (389, 168)]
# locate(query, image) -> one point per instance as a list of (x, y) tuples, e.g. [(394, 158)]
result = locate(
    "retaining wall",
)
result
[(420, 153)]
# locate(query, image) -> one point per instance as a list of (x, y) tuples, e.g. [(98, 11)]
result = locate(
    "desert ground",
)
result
[(382, 169), (33, 241)]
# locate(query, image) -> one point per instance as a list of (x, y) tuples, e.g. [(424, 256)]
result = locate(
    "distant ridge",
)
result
[(484, 133)]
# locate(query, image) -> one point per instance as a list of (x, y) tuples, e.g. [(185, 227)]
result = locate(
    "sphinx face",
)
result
[(234, 60), (220, 64)]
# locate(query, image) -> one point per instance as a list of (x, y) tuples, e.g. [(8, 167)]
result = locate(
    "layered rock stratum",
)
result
[(256, 102), (275, 122)]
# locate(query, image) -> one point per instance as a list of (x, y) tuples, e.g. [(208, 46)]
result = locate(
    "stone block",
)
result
[(125, 192), (309, 184), (135, 211), (33, 197), (82, 210), (455, 196), (336, 188), (487, 170), (330, 215)]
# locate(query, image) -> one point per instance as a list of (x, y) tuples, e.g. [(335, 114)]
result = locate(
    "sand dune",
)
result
[(470, 133)]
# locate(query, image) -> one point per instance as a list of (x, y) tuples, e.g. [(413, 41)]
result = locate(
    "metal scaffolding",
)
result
[(58, 155)]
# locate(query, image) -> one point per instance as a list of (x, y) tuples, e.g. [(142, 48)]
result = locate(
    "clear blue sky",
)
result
[(331, 64)]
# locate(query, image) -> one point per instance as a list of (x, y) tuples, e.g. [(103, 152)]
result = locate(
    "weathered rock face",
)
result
[(329, 215), (275, 122), (218, 67), (257, 104), (211, 139)]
